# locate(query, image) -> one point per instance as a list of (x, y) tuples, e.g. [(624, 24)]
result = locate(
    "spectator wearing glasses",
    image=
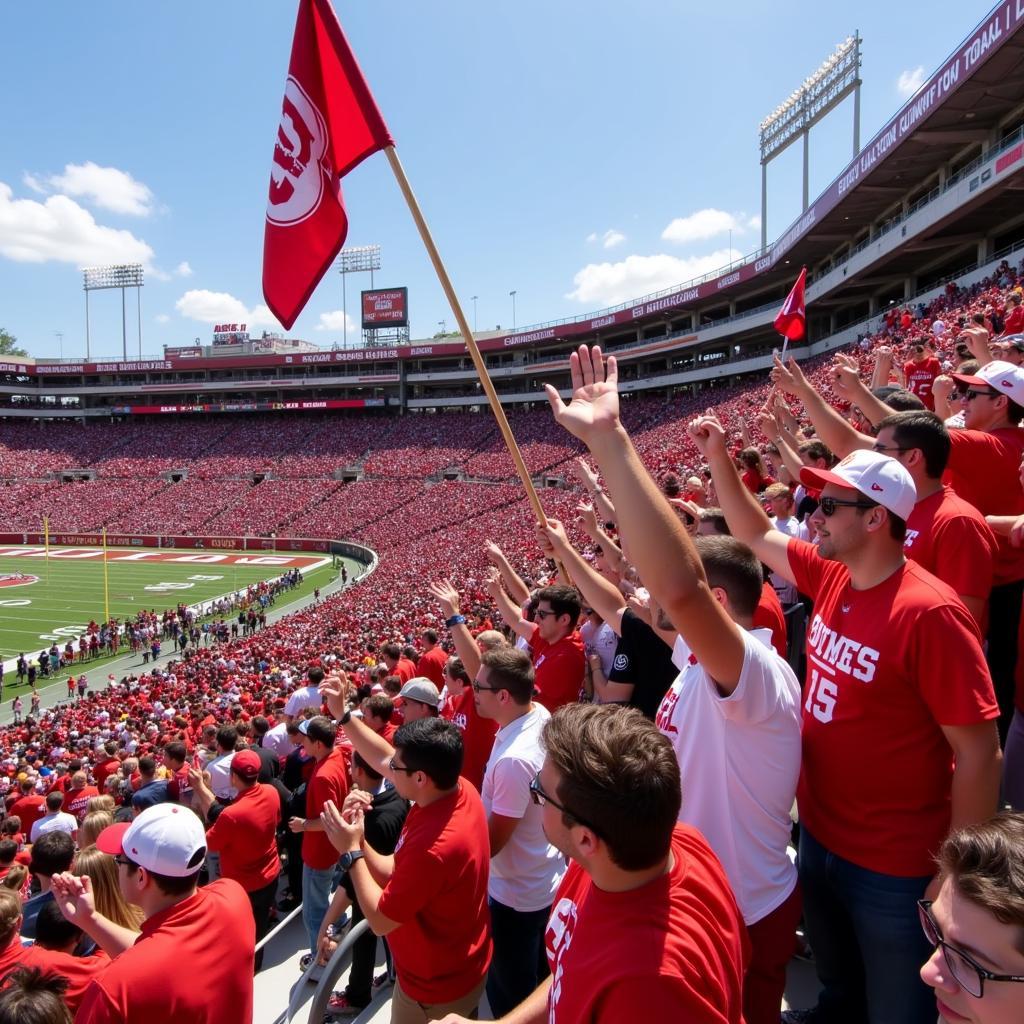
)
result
[(644, 926), (525, 868), (925, 718), (430, 898), (155, 978), (976, 924)]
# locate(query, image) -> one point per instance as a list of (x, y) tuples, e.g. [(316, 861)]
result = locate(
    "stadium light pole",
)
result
[(117, 275), (513, 294), (821, 92), (474, 297), (357, 259)]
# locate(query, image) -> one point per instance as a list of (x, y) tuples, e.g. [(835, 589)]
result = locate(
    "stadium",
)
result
[(176, 500)]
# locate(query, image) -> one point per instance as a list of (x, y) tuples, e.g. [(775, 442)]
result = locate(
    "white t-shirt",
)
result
[(220, 777), (739, 757), (278, 742), (526, 873), (602, 641), (59, 822), (305, 697), (791, 527)]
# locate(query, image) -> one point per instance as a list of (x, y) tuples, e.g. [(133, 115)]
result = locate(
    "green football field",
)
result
[(45, 600)]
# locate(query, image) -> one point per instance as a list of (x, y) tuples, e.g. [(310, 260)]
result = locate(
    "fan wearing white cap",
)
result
[(983, 465), (898, 734), (194, 959)]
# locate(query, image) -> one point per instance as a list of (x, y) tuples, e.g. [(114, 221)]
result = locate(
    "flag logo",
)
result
[(17, 579), (297, 175)]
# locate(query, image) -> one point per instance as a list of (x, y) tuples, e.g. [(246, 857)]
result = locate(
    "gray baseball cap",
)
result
[(422, 689)]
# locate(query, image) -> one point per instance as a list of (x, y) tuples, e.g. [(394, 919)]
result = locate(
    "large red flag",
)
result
[(792, 319), (329, 124)]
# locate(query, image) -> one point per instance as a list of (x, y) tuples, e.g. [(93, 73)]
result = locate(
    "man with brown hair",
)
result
[(644, 925)]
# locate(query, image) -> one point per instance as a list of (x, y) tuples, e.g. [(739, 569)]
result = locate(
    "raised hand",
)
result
[(73, 895), (708, 435), (587, 518), (551, 537), (494, 554), (345, 836), (447, 596), (586, 476), (594, 407)]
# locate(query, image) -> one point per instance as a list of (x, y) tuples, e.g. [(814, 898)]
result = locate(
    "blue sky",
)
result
[(551, 145)]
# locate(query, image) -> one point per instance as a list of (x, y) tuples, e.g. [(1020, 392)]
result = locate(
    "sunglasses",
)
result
[(401, 768), (970, 976), (970, 395), (542, 613), (477, 688), (828, 506)]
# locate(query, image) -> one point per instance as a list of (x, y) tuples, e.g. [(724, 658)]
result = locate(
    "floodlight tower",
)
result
[(118, 275), (355, 260), (821, 92)]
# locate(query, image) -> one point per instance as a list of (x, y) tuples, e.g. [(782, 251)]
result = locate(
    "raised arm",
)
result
[(586, 476), (659, 547), (465, 645), (512, 581), (510, 611), (873, 409)]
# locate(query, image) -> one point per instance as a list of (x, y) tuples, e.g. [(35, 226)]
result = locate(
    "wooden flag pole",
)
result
[(460, 319)]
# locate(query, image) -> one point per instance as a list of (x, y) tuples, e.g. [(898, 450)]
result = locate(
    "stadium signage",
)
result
[(13, 367), (385, 307)]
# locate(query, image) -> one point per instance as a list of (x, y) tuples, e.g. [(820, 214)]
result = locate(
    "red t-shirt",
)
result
[(672, 950), (983, 469), (104, 769), (78, 971), (558, 669), (404, 669), (950, 538), (329, 781), (76, 801), (477, 736), (920, 377), (245, 836), (769, 615), (30, 809), (886, 667), (431, 664), (193, 962), (438, 894)]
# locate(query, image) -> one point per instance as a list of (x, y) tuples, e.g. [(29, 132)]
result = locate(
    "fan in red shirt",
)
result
[(397, 663), (78, 795), (896, 686), (108, 766), (644, 926), (29, 807), (245, 834), (432, 904), (159, 856), (477, 733), (920, 372), (432, 661)]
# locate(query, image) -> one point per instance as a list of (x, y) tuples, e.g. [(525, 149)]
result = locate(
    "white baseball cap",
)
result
[(876, 476), (167, 839), (1003, 377)]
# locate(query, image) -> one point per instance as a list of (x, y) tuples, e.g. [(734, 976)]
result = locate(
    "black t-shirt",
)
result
[(645, 660)]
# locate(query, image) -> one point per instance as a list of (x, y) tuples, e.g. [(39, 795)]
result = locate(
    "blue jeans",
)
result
[(316, 897), (867, 940), (520, 962)]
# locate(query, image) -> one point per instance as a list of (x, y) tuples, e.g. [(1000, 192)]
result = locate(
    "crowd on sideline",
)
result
[(564, 765)]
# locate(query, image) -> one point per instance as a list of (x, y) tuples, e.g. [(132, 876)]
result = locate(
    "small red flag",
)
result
[(329, 124), (792, 319)]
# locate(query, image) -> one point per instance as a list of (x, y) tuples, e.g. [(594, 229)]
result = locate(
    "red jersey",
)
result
[(558, 669), (245, 836), (431, 665), (30, 809), (104, 769), (983, 469), (405, 670), (193, 962), (78, 971), (920, 377), (950, 538), (76, 801), (769, 615), (329, 781), (439, 889), (672, 950), (886, 668), (477, 736)]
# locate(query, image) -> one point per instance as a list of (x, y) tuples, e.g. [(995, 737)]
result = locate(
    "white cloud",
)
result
[(705, 224), (33, 183), (162, 318), (612, 238), (220, 307), (606, 284), (754, 223), (107, 187), (910, 81), (183, 269), (592, 237), (335, 321), (61, 230)]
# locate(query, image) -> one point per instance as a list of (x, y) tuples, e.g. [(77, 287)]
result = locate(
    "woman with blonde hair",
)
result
[(92, 825), (16, 879), (106, 893), (101, 803)]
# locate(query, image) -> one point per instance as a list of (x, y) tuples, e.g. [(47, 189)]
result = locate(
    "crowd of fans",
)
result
[(558, 764)]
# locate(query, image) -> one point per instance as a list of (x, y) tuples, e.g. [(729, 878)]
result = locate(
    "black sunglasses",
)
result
[(477, 688), (828, 506), (970, 976), (970, 394), (401, 768), (540, 798)]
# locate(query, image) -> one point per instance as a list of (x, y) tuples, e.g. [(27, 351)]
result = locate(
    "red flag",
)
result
[(329, 124), (792, 319)]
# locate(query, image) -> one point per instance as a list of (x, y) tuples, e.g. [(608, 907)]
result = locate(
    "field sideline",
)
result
[(45, 600)]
